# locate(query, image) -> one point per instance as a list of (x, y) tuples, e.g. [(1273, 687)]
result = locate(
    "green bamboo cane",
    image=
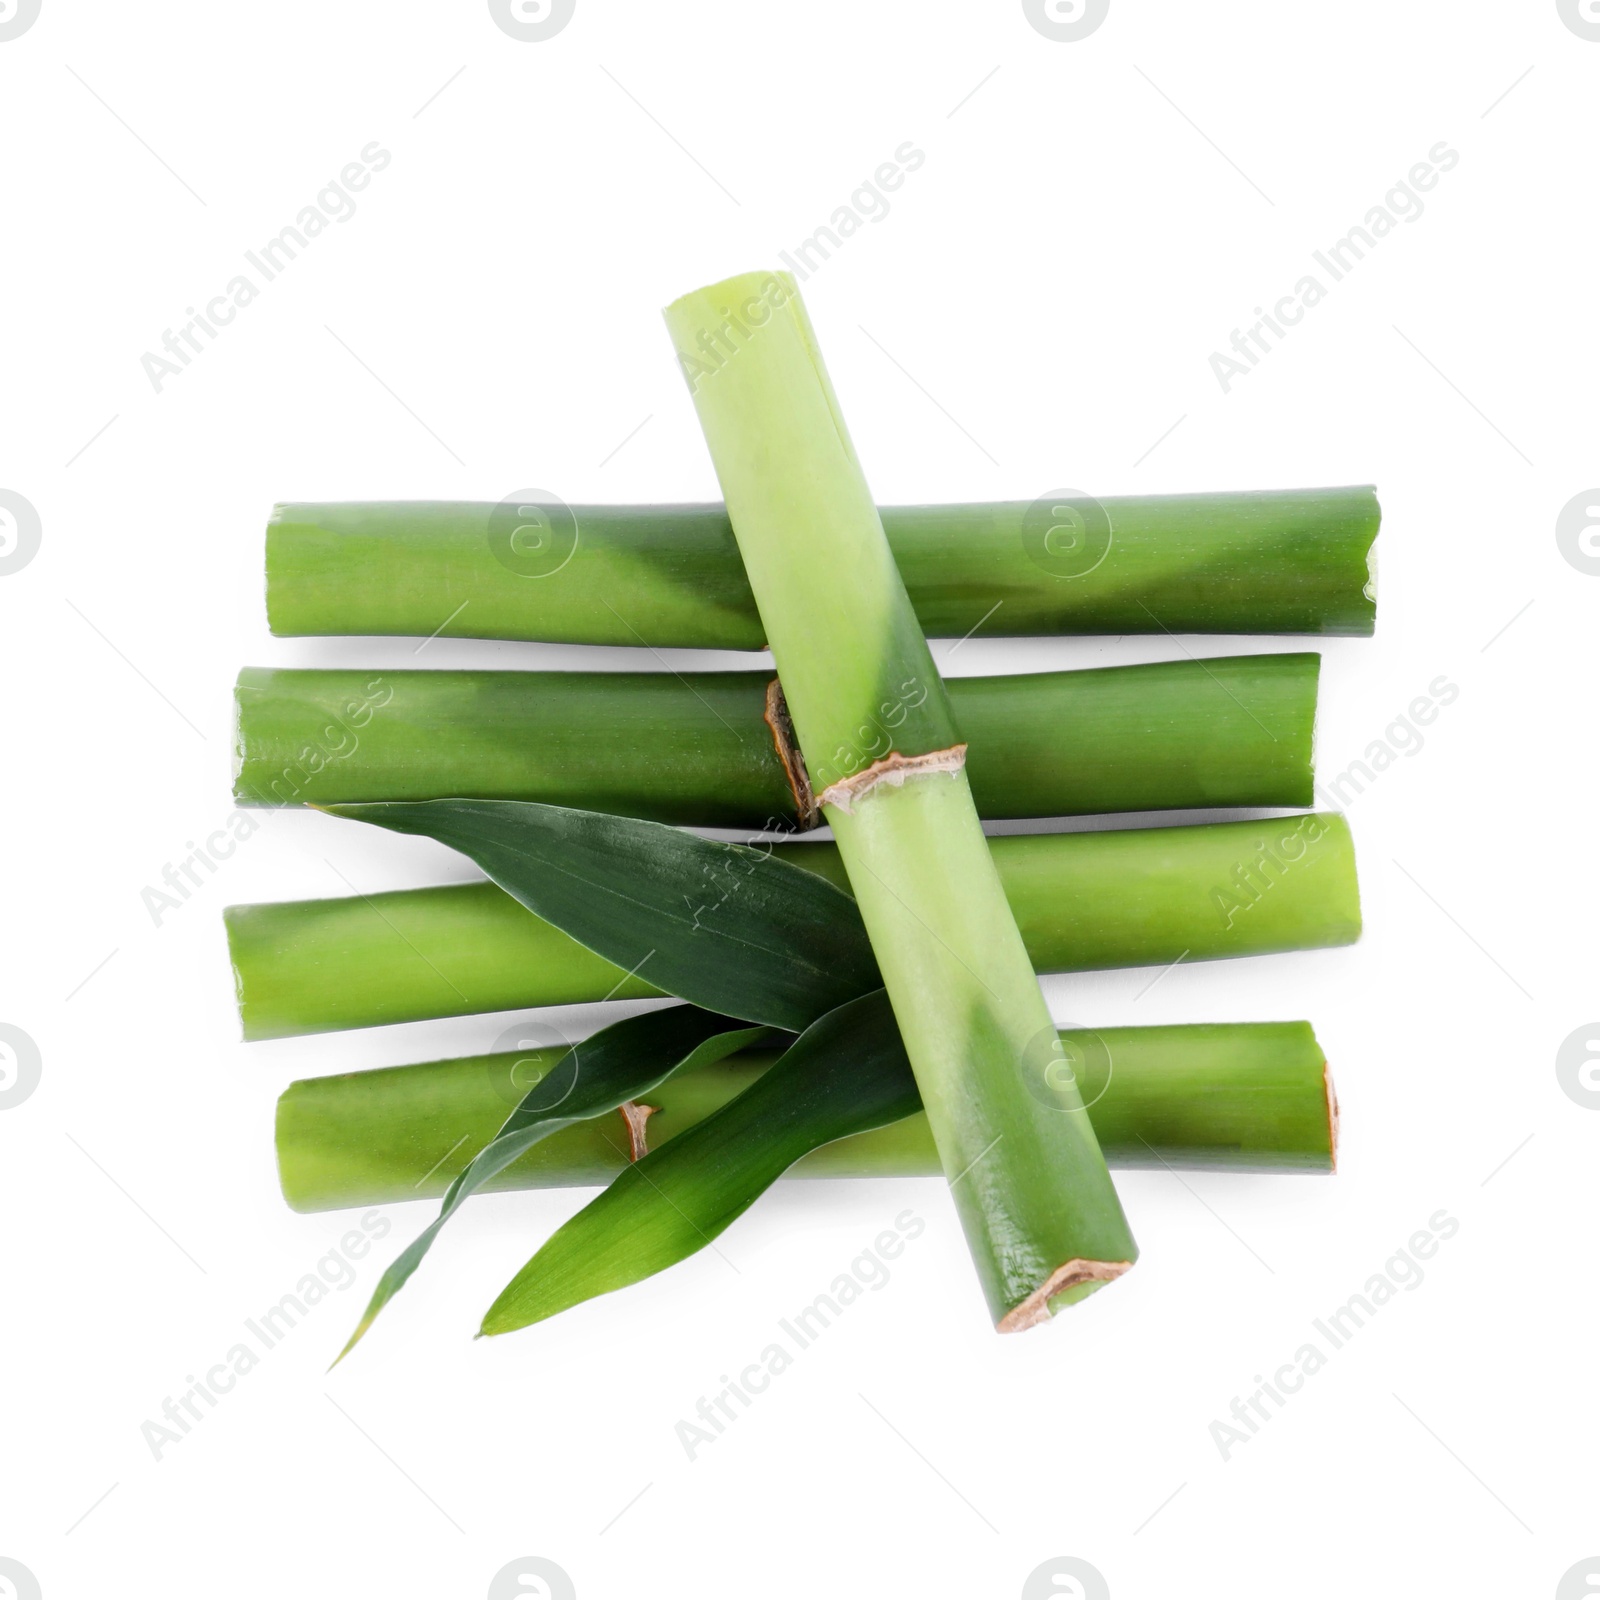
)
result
[(1042, 1219), (709, 748), (530, 567), (1121, 898), (1223, 1096)]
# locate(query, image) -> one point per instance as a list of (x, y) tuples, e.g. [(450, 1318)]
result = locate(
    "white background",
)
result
[(1054, 279)]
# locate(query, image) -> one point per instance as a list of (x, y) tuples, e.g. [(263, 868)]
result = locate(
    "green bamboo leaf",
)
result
[(616, 1065), (846, 1074), (725, 926)]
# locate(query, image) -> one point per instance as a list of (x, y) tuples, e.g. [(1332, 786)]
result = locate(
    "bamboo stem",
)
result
[(1122, 898), (700, 748), (1042, 1219), (1275, 561), (1223, 1096)]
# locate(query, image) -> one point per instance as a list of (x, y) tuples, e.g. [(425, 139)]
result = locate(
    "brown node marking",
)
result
[(636, 1116), (1036, 1308), (892, 769), (806, 810)]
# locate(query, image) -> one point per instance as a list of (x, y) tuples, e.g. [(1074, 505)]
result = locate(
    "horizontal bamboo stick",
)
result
[(700, 748), (529, 567), (1121, 898), (1240, 1096)]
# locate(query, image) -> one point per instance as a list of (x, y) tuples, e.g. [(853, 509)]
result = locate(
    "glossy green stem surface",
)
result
[(1275, 561), (1123, 898), (696, 748), (1041, 1215), (1231, 1096)]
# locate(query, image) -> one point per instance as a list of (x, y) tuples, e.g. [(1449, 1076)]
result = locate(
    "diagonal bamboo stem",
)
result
[(1042, 1220)]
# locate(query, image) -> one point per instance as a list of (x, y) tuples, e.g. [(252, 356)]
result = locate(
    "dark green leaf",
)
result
[(847, 1073), (726, 926), (616, 1065)]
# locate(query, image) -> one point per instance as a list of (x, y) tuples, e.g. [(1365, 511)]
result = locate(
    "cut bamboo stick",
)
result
[(1041, 1217), (1225, 1096), (1276, 561), (1121, 898), (705, 748)]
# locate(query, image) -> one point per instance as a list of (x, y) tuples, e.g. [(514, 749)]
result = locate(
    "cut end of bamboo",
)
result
[(1071, 1275), (893, 769), (1370, 590), (1333, 1118)]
